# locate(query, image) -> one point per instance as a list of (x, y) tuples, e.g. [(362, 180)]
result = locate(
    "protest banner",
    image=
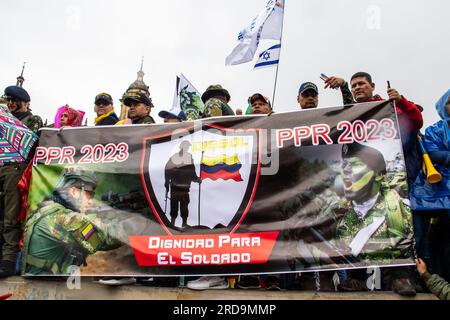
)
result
[(321, 189)]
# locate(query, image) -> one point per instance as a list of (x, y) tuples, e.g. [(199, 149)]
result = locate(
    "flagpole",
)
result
[(279, 58)]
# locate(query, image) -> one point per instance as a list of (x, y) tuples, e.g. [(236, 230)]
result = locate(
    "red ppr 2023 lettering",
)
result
[(88, 154), (357, 131)]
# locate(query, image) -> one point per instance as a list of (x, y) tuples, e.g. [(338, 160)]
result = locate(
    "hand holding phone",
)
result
[(332, 82)]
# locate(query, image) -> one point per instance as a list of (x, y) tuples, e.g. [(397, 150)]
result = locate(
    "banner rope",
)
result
[(317, 280)]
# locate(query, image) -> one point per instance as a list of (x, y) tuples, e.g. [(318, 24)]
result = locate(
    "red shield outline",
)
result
[(251, 187)]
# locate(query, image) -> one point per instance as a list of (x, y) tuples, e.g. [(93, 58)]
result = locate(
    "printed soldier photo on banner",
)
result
[(361, 216), (69, 226)]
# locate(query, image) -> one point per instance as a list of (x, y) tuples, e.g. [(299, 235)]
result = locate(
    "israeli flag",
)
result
[(268, 58)]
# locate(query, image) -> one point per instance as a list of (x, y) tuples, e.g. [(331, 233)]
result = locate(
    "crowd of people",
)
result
[(431, 227)]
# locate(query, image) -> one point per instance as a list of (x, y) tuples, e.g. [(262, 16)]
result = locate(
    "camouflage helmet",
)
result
[(77, 177), (214, 91)]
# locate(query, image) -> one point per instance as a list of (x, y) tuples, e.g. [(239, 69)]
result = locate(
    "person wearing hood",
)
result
[(437, 143), (68, 117), (437, 137)]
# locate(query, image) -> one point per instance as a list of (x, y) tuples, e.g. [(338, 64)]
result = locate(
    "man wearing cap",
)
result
[(308, 96), (140, 107), (216, 100), (104, 109), (170, 117), (18, 101), (260, 104)]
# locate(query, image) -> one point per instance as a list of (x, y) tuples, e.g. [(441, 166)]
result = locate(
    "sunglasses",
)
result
[(9, 98)]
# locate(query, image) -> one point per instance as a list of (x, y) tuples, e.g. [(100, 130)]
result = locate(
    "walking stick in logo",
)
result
[(165, 201), (200, 188)]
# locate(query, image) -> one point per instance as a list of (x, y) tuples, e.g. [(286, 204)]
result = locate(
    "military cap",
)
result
[(105, 97), (373, 158), (214, 91), (79, 178), (139, 97), (17, 93)]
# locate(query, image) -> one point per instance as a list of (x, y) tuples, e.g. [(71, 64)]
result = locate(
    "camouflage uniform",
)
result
[(57, 237), (217, 108), (144, 120), (335, 219), (303, 212), (389, 241), (347, 95), (33, 122)]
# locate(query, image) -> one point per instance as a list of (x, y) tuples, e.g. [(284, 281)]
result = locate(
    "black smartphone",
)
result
[(323, 77)]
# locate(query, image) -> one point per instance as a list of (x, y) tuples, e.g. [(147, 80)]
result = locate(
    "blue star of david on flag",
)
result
[(269, 57)]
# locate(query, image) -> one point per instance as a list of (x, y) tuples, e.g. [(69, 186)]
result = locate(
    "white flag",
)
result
[(272, 27), (267, 25), (187, 99), (270, 57)]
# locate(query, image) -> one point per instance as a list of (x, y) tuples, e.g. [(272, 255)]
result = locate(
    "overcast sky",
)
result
[(76, 49)]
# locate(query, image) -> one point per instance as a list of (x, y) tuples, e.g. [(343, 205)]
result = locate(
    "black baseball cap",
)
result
[(103, 97)]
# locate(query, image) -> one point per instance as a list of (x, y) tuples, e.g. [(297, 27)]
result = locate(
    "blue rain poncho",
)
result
[(426, 196)]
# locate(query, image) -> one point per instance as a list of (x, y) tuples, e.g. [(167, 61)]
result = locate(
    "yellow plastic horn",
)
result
[(433, 176)]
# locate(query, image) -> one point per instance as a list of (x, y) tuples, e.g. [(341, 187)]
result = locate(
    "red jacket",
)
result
[(406, 109)]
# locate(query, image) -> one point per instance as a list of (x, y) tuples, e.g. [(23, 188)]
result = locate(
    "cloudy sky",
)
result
[(76, 49)]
